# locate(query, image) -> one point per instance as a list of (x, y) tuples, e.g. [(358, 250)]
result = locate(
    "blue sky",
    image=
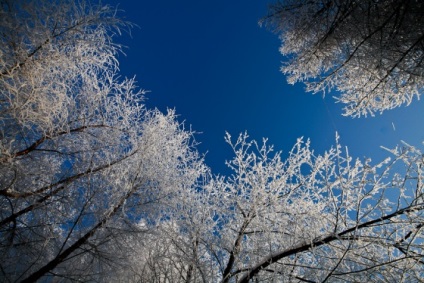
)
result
[(213, 63)]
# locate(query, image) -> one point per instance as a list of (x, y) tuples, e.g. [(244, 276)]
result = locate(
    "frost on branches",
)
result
[(305, 218), (371, 52), (318, 218), (94, 187), (82, 161)]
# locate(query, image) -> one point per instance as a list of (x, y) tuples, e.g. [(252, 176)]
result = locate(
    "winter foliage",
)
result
[(305, 218), (82, 160), (95, 187), (371, 52)]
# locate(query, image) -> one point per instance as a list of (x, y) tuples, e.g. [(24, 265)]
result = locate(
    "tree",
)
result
[(82, 161), (95, 187), (371, 52), (308, 218)]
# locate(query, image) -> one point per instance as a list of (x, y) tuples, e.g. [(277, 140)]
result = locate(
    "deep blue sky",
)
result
[(212, 62)]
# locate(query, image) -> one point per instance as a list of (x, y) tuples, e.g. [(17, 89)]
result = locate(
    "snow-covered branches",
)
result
[(96, 187), (81, 159), (308, 217), (369, 51)]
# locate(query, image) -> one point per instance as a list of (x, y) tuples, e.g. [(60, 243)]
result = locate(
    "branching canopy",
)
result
[(371, 52)]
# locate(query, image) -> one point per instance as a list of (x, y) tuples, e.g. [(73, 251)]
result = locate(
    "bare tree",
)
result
[(95, 187), (305, 218), (322, 218), (371, 52), (81, 159)]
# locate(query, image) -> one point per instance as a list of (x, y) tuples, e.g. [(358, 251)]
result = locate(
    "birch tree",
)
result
[(370, 52), (82, 161)]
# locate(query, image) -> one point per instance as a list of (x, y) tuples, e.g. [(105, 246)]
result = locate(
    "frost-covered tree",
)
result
[(95, 187), (371, 52), (82, 161), (303, 218), (321, 218)]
